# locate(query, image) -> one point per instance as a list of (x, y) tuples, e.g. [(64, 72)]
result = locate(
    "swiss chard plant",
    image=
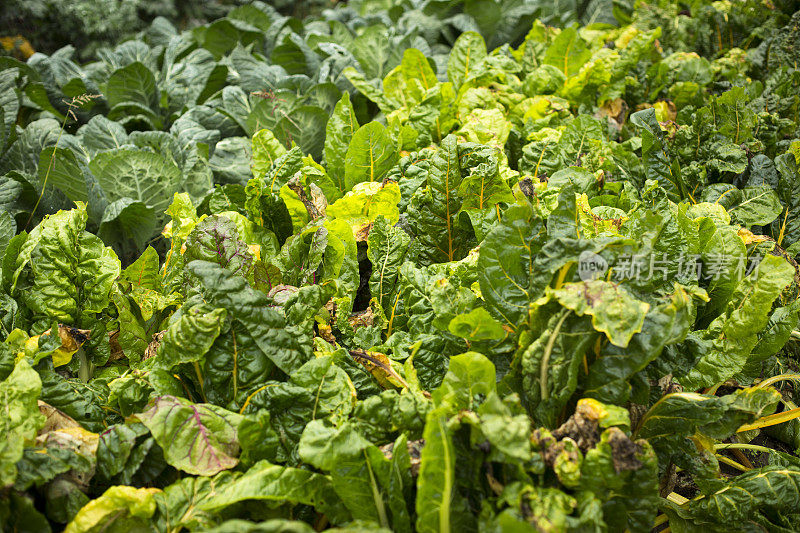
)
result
[(481, 265)]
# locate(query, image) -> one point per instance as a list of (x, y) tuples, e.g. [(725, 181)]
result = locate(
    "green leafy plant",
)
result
[(406, 266)]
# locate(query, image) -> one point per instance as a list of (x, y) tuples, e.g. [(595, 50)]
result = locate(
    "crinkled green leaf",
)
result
[(20, 418), (614, 311), (224, 290), (725, 347), (505, 264)]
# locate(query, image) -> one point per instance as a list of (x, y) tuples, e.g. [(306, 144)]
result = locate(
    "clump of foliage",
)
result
[(87, 25), (406, 266)]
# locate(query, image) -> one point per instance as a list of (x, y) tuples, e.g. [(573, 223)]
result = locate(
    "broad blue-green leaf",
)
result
[(144, 176), (8, 228), (305, 126), (133, 84), (101, 134), (59, 168), (231, 160), (127, 220)]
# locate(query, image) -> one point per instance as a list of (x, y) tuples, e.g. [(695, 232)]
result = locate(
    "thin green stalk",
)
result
[(742, 446), (49, 167)]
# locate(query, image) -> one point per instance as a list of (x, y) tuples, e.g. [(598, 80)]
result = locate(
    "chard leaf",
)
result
[(8, 228), (614, 311), (386, 250), (227, 291), (483, 187), (189, 338), (353, 464), (20, 418), (198, 439), (568, 52), (439, 507), (658, 163), (734, 119), (72, 272), (469, 380), (117, 509), (754, 206), (726, 345), (549, 364), (433, 212), (677, 416), (507, 280), (338, 135), (268, 482), (770, 488), (476, 325), (468, 50), (216, 239), (318, 390), (370, 155), (664, 324), (266, 150)]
